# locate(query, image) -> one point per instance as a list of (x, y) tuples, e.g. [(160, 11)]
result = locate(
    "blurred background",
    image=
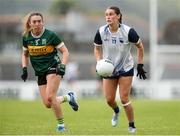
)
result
[(76, 21)]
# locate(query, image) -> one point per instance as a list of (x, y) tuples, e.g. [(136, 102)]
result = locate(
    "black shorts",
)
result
[(42, 79), (125, 74)]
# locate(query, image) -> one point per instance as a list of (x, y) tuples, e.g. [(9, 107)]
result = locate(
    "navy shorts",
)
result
[(125, 74), (42, 78)]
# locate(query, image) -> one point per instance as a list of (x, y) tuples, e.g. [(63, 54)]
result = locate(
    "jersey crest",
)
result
[(113, 40)]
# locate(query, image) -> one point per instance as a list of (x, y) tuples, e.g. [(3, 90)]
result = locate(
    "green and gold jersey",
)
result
[(42, 50)]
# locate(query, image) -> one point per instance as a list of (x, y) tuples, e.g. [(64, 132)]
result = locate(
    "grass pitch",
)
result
[(93, 118)]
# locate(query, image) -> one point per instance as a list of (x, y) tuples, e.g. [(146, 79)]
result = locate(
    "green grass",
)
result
[(93, 118)]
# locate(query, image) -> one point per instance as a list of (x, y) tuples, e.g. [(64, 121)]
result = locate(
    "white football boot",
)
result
[(114, 120), (132, 130)]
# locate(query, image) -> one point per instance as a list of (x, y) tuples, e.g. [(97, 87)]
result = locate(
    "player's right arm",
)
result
[(25, 61), (98, 46), (25, 58), (98, 52)]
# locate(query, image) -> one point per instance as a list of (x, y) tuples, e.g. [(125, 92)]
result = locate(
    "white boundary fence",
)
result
[(89, 88), (30, 91)]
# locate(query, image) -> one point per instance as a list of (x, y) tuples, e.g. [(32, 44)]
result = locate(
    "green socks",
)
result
[(60, 121)]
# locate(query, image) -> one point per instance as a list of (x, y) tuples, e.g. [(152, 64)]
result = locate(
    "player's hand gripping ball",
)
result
[(104, 67)]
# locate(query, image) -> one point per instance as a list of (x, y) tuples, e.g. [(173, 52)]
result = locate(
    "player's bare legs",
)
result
[(48, 93), (124, 90), (110, 87), (60, 99), (53, 82), (42, 90)]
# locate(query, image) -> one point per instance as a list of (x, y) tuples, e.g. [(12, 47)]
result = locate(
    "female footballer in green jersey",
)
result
[(41, 46)]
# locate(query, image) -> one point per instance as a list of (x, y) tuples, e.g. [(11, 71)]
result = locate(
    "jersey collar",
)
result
[(38, 36), (107, 29)]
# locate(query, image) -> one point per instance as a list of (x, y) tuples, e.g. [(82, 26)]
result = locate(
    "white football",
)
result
[(104, 67)]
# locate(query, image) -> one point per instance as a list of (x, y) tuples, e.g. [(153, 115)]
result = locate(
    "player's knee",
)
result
[(125, 103), (49, 98), (110, 101), (47, 104), (124, 99)]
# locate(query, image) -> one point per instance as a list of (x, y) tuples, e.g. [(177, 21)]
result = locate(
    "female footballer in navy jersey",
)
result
[(41, 46), (114, 41)]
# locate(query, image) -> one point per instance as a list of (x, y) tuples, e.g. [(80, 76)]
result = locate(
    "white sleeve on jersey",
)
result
[(60, 45), (24, 48)]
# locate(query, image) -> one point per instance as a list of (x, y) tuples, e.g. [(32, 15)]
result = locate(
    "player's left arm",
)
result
[(140, 52), (60, 46), (64, 51), (141, 73), (61, 68), (134, 38)]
